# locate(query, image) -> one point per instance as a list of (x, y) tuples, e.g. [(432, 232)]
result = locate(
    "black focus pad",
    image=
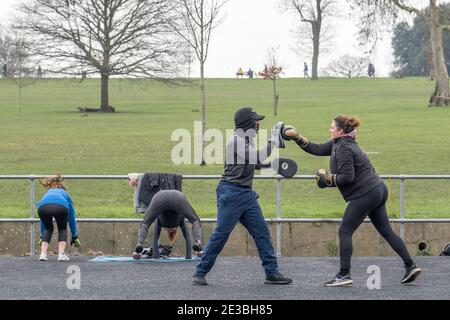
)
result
[(285, 167)]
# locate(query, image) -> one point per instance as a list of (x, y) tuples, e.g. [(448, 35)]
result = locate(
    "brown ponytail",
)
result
[(347, 123), (172, 233), (53, 182)]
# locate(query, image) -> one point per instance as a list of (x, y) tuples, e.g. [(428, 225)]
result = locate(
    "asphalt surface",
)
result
[(232, 278)]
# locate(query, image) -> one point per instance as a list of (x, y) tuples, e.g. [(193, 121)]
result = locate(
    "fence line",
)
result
[(279, 220)]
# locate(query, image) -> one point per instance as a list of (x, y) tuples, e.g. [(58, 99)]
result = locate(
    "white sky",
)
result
[(251, 27)]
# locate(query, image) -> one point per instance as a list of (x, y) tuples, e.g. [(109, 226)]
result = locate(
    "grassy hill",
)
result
[(401, 134)]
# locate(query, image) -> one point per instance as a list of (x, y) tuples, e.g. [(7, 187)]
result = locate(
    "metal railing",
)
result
[(278, 220)]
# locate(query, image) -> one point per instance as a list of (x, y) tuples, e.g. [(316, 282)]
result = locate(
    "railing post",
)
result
[(279, 216), (32, 227), (402, 208)]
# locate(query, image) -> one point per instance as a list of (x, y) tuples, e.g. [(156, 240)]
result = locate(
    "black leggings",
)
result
[(46, 214), (371, 204)]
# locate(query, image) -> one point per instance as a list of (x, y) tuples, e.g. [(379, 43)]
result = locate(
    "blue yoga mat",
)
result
[(130, 259)]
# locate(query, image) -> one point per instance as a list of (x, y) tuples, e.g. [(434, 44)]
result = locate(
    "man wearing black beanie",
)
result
[(236, 200)]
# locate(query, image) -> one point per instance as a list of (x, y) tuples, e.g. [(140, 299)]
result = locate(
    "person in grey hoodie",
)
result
[(238, 202), (169, 209)]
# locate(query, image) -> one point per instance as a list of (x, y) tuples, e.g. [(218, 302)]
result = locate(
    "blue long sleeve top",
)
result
[(61, 197)]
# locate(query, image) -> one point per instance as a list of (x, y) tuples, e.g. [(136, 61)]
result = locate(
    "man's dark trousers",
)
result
[(238, 204)]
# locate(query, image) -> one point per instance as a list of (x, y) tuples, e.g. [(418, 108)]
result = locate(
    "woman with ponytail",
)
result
[(56, 203), (361, 187)]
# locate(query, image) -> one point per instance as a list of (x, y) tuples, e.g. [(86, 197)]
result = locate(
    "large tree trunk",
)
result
[(441, 95), (316, 48), (104, 104), (202, 89)]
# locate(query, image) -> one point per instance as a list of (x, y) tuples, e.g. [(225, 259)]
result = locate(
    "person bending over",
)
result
[(56, 203), (170, 209)]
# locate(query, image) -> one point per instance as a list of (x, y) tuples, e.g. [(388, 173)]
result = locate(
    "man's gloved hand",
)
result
[(75, 242), (139, 248), (137, 254), (325, 179), (166, 251), (197, 247), (276, 136)]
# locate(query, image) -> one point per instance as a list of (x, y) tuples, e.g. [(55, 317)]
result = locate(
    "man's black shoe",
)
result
[(277, 278), (199, 280)]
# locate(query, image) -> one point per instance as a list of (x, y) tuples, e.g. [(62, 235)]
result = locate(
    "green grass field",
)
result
[(401, 133)]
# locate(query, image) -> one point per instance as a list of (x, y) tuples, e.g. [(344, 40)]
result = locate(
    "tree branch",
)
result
[(408, 9), (113, 36)]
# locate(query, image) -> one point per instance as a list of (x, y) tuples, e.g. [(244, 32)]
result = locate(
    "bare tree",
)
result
[(24, 73), (347, 66), (15, 60), (106, 37), (189, 59), (273, 70), (379, 13), (314, 13), (7, 56), (12, 53), (303, 40), (197, 20)]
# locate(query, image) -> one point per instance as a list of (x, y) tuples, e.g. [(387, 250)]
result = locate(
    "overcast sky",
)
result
[(251, 27)]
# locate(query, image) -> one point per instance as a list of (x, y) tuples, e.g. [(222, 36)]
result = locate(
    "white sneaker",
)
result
[(43, 257), (63, 257)]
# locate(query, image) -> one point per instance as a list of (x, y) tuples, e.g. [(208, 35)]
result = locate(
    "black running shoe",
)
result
[(411, 274), (199, 280), (340, 280), (277, 278)]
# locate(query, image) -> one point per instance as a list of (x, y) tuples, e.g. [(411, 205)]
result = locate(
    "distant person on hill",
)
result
[(240, 73), (305, 70), (250, 73), (39, 72), (371, 70)]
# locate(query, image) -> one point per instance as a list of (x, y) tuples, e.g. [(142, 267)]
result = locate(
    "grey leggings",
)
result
[(169, 209), (371, 204)]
